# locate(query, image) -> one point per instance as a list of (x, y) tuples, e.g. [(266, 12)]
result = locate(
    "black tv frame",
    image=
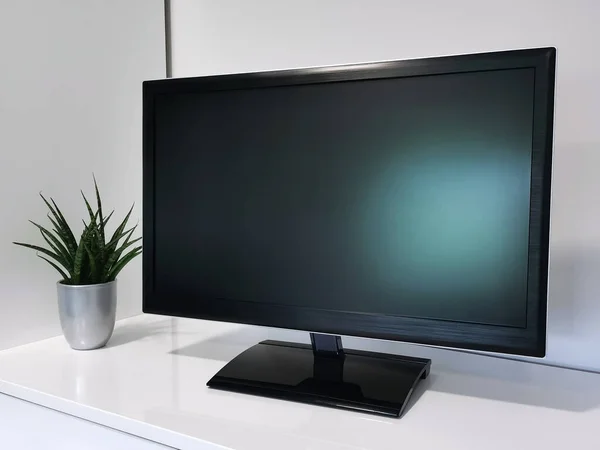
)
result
[(529, 340)]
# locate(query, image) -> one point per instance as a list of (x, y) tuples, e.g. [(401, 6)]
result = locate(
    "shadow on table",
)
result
[(125, 334), (223, 347)]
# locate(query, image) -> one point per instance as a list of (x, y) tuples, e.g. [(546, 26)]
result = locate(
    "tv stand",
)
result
[(325, 374)]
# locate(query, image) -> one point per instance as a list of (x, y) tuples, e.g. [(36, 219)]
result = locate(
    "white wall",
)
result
[(70, 105), (224, 36)]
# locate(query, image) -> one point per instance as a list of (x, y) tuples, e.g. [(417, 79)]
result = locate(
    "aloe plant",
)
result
[(95, 258)]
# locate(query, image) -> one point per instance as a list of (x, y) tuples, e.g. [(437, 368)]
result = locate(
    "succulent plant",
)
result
[(94, 259)]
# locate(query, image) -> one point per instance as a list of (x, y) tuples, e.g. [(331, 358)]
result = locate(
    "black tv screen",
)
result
[(395, 200)]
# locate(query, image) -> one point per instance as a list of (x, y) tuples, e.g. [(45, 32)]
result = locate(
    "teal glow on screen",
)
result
[(396, 196)]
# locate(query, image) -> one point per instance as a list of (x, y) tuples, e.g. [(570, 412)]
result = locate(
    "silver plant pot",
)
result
[(87, 314)]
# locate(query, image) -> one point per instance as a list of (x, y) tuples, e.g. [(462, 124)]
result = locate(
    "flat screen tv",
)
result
[(403, 200)]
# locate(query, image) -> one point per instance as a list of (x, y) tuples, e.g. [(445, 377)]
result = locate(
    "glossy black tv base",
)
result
[(325, 374)]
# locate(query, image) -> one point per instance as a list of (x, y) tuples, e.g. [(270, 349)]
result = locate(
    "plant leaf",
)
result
[(123, 262), (107, 218), (100, 216), (88, 206), (55, 244), (128, 243), (116, 252), (61, 234), (78, 262), (43, 250), (65, 277), (114, 242), (86, 273), (100, 237), (63, 225), (62, 260), (121, 227), (62, 221), (92, 259)]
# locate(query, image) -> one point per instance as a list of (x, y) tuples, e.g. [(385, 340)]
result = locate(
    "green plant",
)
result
[(93, 259)]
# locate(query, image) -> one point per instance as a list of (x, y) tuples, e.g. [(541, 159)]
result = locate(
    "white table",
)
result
[(26, 426), (150, 382)]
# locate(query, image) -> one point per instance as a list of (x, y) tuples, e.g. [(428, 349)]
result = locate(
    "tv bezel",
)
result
[(529, 340)]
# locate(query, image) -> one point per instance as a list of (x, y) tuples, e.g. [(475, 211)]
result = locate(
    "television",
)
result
[(399, 200)]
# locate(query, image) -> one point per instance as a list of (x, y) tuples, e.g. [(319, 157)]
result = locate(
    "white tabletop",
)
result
[(150, 381)]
